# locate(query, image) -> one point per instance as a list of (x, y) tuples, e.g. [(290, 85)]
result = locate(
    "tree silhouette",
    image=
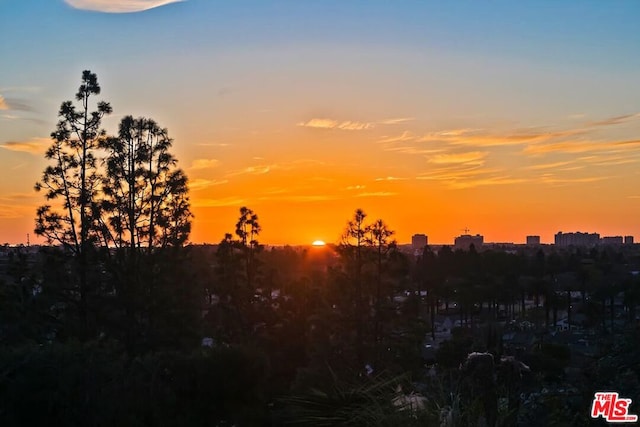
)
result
[(352, 249), (247, 229), (144, 209), (73, 181), (146, 200), (379, 239)]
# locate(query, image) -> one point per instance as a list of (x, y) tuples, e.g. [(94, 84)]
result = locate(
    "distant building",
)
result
[(611, 240), (628, 240), (419, 241), (577, 239), (465, 241), (533, 240)]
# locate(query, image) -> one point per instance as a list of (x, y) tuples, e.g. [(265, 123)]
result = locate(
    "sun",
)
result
[(318, 243)]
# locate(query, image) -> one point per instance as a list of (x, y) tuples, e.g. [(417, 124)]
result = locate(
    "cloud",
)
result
[(390, 178), (576, 116), (11, 212), (479, 138), (551, 179), (614, 120), (15, 104), (218, 203), (403, 137), (414, 150), (355, 187), (201, 183), (17, 205), (548, 165), (260, 169), (469, 176), (199, 164), (118, 6), (300, 198), (32, 146), (17, 197), (582, 146), (396, 121), (253, 170), (470, 158), (377, 194), (455, 172), (494, 180), (335, 124), (214, 144)]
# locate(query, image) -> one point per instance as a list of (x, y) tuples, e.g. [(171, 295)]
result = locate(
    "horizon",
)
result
[(516, 120)]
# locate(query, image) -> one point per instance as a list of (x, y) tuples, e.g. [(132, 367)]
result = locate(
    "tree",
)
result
[(73, 181), (247, 229), (352, 248), (144, 209), (146, 201), (379, 235)]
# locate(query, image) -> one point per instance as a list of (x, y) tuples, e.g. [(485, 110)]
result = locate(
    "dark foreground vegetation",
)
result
[(119, 322)]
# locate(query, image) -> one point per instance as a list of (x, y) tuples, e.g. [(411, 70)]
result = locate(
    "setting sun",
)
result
[(318, 243)]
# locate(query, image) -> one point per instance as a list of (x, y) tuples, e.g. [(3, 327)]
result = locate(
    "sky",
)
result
[(506, 118)]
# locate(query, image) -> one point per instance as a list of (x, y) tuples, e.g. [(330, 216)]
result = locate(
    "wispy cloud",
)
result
[(403, 137), (469, 158), (615, 120), (551, 179), (480, 138), (455, 173), (469, 176), (335, 124), (355, 187), (201, 183), (10, 212), (301, 198), (397, 121), (409, 149), (253, 170), (390, 178), (17, 205), (218, 202), (493, 180), (32, 146), (548, 165), (214, 144), (576, 116), (118, 6), (199, 164), (14, 104), (376, 194), (582, 146)]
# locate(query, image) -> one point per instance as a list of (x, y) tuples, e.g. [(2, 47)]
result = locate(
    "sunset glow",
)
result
[(318, 243), (426, 115)]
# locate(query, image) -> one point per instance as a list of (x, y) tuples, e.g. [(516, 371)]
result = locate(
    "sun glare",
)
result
[(318, 243)]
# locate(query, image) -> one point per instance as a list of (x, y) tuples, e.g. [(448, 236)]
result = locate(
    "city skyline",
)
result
[(513, 120)]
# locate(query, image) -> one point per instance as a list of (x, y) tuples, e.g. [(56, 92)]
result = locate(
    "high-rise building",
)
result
[(533, 240), (628, 240), (577, 239), (419, 241), (465, 241), (611, 240)]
